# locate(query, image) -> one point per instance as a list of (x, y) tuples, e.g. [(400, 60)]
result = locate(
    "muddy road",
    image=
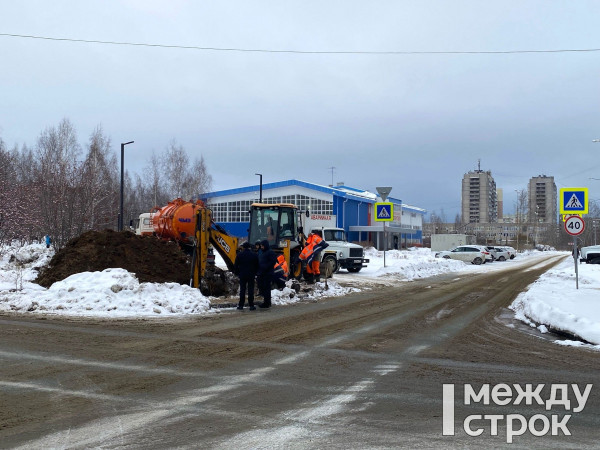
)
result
[(363, 371)]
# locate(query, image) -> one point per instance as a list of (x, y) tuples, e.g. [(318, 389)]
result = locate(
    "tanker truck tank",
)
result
[(177, 220)]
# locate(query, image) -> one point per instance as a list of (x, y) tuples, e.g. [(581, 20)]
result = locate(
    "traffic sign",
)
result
[(384, 192), (574, 225), (384, 212), (573, 200)]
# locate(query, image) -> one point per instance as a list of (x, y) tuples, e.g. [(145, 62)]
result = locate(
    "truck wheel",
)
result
[(477, 261), (501, 258), (332, 262), (354, 269)]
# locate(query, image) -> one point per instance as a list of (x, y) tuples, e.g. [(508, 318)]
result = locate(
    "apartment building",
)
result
[(542, 196), (479, 197)]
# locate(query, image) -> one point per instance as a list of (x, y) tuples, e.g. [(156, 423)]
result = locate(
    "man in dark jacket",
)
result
[(266, 266), (246, 267)]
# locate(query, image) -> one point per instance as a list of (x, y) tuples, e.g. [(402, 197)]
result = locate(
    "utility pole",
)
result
[(120, 225), (260, 192), (332, 169)]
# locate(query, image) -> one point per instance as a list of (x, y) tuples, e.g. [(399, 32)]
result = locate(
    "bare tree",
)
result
[(457, 222), (176, 166), (18, 215), (98, 184), (59, 175), (200, 180)]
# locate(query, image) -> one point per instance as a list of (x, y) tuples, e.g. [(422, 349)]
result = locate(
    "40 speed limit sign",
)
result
[(574, 225)]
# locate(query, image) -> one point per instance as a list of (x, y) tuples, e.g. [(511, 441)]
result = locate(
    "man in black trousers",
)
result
[(246, 267), (266, 267)]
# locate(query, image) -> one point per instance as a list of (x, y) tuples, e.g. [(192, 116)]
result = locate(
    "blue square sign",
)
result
[(573, 200), (384, 212)]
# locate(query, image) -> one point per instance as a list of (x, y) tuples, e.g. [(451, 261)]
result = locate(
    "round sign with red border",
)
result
[(574, 225)]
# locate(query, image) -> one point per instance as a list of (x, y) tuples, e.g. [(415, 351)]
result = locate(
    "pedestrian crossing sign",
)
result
[(384, 212), (573, 201)]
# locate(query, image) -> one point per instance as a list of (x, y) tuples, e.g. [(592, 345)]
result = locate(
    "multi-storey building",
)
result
[(542, 200), (500, 196), (479, 197)]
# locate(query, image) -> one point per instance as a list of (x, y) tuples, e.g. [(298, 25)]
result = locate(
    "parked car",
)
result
[(492, 251), (475, 254), (511, 251), (502, 254)]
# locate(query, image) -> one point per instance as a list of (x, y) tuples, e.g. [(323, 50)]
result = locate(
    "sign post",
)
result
[(575, 225), (384, 212)]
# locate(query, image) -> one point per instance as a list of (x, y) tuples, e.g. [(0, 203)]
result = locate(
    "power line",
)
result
[(304, 52)]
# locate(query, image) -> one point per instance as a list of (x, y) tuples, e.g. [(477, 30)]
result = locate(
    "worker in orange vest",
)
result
[(311, 254), (281, 273)]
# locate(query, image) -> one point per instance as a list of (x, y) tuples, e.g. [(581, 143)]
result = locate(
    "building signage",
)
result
[(384, 212), (573, 200)]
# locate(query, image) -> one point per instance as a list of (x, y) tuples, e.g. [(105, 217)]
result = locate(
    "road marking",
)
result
[(61, 391)]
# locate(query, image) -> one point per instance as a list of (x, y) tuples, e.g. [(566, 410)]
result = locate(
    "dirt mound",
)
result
[(151, 259)]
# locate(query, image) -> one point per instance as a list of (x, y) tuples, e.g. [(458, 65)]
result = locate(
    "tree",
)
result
[(457, 222), (18, 216), (59, 176), (98, 183)]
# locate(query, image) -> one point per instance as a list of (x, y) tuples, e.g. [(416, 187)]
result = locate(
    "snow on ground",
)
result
[(551, 303)]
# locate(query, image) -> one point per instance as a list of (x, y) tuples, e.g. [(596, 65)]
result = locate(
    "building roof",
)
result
[(340, 191)]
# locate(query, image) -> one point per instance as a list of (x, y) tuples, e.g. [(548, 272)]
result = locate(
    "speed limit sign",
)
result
[(574, 225)]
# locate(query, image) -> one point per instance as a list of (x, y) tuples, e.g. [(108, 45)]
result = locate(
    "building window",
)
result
[(237, 211)]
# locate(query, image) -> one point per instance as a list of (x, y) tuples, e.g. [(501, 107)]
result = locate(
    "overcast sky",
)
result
[(416, 122)]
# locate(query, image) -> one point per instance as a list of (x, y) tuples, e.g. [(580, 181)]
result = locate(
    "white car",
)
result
[(511, 251), (502, 254), (475, 254), (493, 256)]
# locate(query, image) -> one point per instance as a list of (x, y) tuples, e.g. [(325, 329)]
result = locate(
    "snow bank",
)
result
[(554, 301), (112, 293)]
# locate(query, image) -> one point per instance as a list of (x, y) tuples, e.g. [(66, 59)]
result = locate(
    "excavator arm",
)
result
[(207, 232)]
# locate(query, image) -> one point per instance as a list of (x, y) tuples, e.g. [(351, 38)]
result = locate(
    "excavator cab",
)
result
[(278, 224)]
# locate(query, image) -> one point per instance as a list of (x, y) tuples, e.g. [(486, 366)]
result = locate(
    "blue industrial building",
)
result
[(351, 209)]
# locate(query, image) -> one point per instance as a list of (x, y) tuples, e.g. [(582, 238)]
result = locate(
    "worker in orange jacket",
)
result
[(281, 273), (311, 254)]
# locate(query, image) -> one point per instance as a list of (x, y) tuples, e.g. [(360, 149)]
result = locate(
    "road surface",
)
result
[(363, 371)]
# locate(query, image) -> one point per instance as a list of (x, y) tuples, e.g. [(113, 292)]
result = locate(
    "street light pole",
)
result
[(260, 192), (120, 226)]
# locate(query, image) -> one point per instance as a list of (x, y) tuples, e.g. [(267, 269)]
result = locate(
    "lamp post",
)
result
[(260, 192), (518, 212), (120, 226)]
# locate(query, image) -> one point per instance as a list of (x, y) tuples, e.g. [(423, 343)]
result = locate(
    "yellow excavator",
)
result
[(276, 223)]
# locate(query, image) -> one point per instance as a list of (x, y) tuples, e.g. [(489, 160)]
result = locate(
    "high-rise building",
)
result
[(479, 197), (500, 196), (542, 200)]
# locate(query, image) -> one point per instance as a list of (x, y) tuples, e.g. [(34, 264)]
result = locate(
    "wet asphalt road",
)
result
[(363, 371)]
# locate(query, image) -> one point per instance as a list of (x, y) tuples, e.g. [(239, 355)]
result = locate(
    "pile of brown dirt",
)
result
[(151, 259)]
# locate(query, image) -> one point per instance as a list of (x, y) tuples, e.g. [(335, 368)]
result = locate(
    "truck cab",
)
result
[(590, 255), (143, 225), (340, 253)]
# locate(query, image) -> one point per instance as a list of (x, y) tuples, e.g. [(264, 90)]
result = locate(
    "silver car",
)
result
[(475, 254)]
